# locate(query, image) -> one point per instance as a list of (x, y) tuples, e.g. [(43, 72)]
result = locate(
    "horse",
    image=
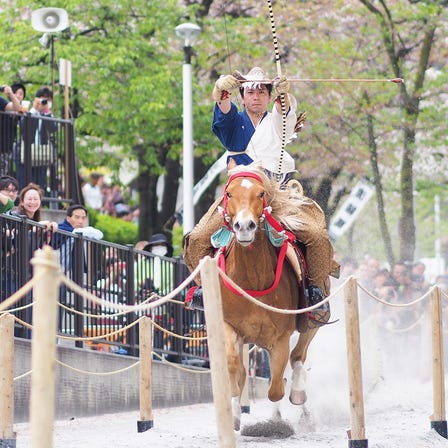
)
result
[(255, 260)]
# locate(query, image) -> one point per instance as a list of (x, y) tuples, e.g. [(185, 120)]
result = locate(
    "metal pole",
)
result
[(188, 208)]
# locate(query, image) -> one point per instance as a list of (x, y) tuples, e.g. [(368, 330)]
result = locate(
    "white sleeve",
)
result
[(90, 232), (291, 119)]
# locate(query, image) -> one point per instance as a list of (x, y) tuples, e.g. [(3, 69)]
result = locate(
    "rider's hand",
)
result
[(223, 86), (280, 86)]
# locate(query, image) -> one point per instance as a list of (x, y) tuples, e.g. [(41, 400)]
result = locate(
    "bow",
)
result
[(282, 96)]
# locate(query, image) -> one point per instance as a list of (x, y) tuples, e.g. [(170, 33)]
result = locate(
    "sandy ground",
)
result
[(397, 403), (394, 418)]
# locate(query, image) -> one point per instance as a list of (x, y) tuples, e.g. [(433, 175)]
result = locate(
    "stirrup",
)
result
[(318, 316)]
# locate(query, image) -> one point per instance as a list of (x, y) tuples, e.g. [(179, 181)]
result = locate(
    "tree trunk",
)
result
[(387, 241)]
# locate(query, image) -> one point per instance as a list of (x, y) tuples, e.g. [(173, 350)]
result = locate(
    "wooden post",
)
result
[(7, 435), (438, 418), (145, 347), (357, 431), (43, 353), (217, 353), (245, 406)]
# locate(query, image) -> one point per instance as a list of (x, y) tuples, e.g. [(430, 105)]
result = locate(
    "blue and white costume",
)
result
[(246, 144)]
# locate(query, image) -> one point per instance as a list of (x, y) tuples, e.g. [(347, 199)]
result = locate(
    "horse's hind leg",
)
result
[(297, 358), (278, 359), (237, 372)]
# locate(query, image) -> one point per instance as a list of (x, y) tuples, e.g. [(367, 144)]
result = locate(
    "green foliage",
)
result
[(115, 230), (177, 240)]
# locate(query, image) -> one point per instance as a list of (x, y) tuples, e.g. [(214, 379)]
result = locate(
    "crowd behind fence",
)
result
[(113, 272), (35, 148)]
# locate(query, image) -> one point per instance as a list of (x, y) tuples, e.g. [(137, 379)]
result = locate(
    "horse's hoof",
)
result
[(297, 397)]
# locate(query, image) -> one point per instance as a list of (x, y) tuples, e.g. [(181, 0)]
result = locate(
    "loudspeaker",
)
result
[(49, 20)]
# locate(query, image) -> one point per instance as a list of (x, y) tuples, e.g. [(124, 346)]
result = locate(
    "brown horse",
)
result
[(253, 259)]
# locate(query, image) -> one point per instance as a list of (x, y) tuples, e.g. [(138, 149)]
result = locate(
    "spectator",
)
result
[(123, 211), (6, 203), (144, 286), (384, 285), (8, 125), (38, 142), (75, 222), (161, 272), (8, 191), (9, 187), (30, 205), (349, 267), (419, 284), (92, 191), (112, 284), (402, 281), (13, 105)]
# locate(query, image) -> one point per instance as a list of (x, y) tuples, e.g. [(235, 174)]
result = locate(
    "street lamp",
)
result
[(188, 32)]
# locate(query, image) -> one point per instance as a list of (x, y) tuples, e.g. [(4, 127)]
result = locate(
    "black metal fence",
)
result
[(115, 273), (39, 149)]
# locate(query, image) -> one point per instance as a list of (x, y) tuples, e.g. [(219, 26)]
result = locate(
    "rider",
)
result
[(255, 135)]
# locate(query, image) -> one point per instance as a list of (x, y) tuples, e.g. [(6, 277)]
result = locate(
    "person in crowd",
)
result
[(418, 281), (20, 92), (75, 222), (6, 203), (402, 284), (111, 285), (14, 104), (401, 276), (38, 138), (255, 135), (123, 211), (30, 205), (9, 186), (161, 272), (8, 195), (8, 123), (349, 267), (92, 192)]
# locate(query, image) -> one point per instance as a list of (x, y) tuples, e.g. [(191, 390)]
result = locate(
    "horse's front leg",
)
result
[(278, 359), (297, 394), (237, 372)]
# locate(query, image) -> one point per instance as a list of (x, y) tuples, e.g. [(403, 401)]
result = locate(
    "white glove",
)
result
[(225, 83), (280, 86)]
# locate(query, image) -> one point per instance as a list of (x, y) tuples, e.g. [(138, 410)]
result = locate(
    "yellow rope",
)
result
[(16, 378), (27, 287), (397, 305), (103, 336), (20, 308), (114, 372), (178, 366)]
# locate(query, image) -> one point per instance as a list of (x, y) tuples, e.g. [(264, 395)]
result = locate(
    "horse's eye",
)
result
[(228, 195), (261, 195)]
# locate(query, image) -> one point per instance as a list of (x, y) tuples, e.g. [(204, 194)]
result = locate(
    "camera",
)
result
[(2, 88), (44, 101)]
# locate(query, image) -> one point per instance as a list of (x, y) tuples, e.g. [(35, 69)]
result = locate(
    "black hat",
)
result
[(156, 239)]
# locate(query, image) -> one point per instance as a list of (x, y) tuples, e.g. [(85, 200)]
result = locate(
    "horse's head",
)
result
[(244, 203)]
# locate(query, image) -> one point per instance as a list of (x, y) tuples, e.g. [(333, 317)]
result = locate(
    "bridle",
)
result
[(270, 222)]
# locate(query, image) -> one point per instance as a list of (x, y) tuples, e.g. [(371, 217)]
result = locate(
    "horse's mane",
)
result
[(284, 203)]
